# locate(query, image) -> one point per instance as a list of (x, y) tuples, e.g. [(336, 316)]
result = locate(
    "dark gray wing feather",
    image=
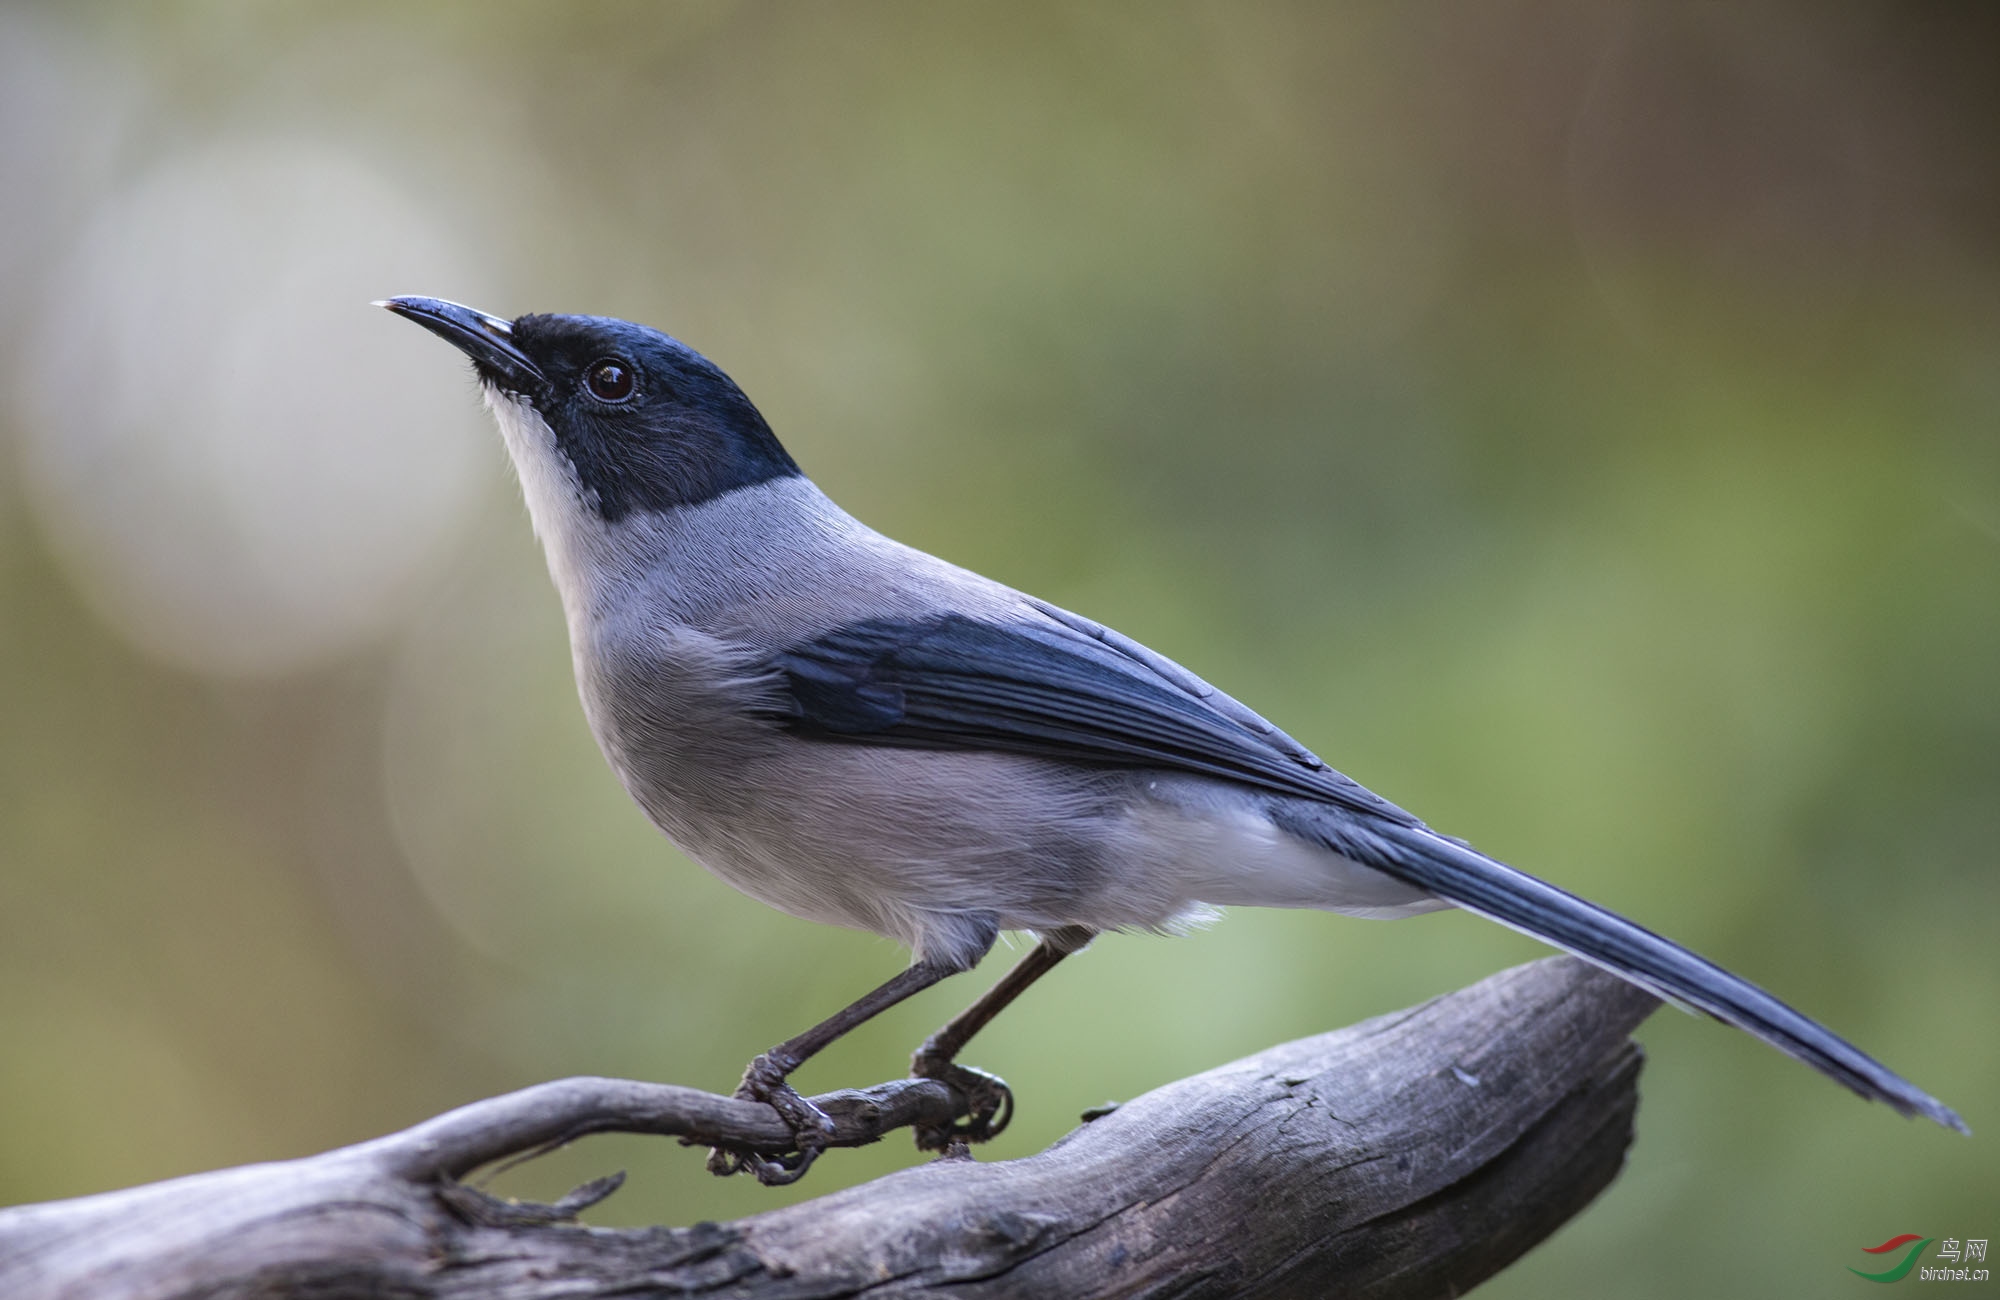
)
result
[(1046, 689)]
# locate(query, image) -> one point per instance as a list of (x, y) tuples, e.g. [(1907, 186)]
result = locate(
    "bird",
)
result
[(857, 732)]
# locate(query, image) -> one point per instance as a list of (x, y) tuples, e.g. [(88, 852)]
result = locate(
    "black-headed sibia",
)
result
[(860, 733)]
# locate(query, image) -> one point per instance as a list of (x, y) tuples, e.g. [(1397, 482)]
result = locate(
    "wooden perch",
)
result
[(1412, 1155)]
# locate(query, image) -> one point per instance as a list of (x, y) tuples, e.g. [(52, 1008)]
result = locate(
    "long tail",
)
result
[(1498, 892)]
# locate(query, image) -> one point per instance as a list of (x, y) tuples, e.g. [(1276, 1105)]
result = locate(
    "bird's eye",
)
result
[(610, 380)]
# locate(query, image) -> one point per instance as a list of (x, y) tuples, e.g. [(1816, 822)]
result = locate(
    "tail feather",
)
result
[(1498, 892)]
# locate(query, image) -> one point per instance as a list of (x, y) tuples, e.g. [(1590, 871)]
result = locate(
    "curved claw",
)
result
[(764, 1081), (773, 1171), (990, 1100)]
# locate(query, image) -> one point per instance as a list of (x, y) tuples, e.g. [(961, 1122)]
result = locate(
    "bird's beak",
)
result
[(488, 340)]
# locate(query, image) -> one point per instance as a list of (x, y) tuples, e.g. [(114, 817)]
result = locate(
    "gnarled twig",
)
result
[(1411, 1155)]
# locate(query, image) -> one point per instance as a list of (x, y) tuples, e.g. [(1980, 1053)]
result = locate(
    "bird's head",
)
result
[(621, 417)]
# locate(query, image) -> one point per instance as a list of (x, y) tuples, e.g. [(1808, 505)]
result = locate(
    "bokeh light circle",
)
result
[(244, 468)]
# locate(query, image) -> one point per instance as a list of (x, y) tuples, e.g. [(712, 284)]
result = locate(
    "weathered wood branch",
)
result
[(1412, 1155)]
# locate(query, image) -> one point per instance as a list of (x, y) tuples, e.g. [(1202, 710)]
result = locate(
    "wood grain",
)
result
[(1411, 1155)]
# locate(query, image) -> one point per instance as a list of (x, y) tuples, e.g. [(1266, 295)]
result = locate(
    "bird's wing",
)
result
[(1058, 686), (1055, 687)]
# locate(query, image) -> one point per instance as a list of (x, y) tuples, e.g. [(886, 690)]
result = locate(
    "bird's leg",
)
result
[(992, 1101), (764, 1080)]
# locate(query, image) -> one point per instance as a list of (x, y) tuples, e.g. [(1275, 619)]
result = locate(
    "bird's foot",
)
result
[(990, 1102), (764, 1081)]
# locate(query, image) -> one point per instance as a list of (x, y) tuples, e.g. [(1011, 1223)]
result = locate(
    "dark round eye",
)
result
[(610, 380)]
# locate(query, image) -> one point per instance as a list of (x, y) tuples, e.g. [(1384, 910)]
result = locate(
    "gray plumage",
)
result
[(674, 618), (860, 733)]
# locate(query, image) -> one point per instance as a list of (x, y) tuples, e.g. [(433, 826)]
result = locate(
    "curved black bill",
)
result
[(488, 340)]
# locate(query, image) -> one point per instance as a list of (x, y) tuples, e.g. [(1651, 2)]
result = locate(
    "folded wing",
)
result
[(1061, 687)]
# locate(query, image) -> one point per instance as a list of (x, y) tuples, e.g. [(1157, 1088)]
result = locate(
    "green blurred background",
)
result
[(1579, 422)]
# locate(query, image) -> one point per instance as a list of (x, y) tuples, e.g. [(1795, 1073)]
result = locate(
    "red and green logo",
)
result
[(1895, 1272)]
